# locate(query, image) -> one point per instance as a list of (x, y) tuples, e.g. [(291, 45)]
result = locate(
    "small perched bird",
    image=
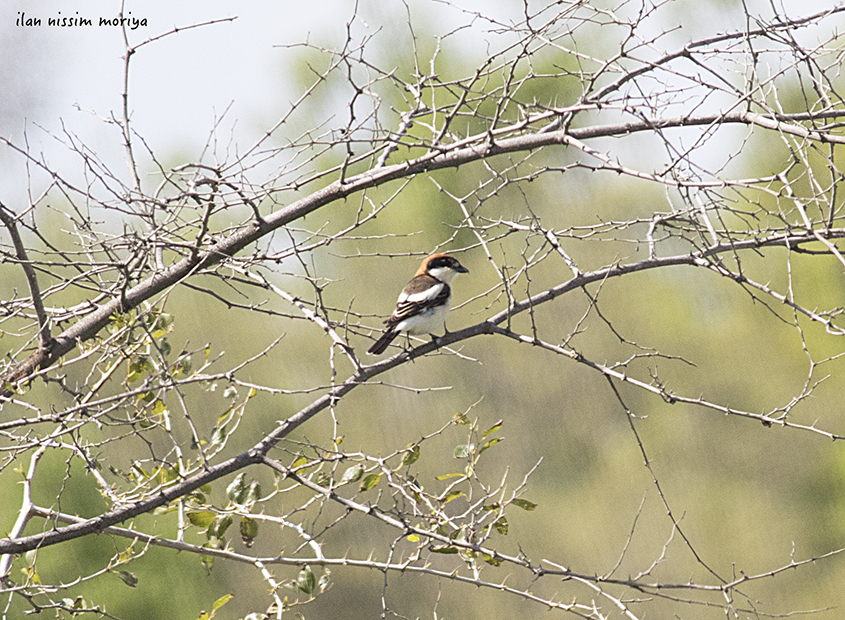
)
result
[(424, 302)]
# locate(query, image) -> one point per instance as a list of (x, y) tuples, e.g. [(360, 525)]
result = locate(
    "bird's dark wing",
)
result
[(420, 293)]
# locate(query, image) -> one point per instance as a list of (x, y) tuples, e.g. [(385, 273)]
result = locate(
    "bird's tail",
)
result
[(381, 344)]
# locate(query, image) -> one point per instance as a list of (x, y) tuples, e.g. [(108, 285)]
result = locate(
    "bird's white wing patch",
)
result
[(422, 296)]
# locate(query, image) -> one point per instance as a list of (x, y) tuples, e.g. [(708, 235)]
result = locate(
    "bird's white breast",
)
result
[(428, 321)]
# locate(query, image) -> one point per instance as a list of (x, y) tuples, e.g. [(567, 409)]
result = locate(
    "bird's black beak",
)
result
[(461, 269)]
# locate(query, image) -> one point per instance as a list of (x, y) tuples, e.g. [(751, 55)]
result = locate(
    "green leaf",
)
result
[(218, 435), (493, 428), (167, 474), (202, 518), (490, 443), (411, 456), (254, 493), (161, 325), (501, 526), (299, 462), (138, 368), (447, 476), (460, 418), (413, 538), (452, 495), (446, 549), (353, 474), (370, 481), (306, 581), (139, 472), (128, 578), (464, 450), (221, 601), (30, 574), (460, 535), (223, 524), (491, 559), (236, 491), (182, 366), (524, 504), (167, 509), (126, 554), (415, 488), (249, 530), (324, 582)]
